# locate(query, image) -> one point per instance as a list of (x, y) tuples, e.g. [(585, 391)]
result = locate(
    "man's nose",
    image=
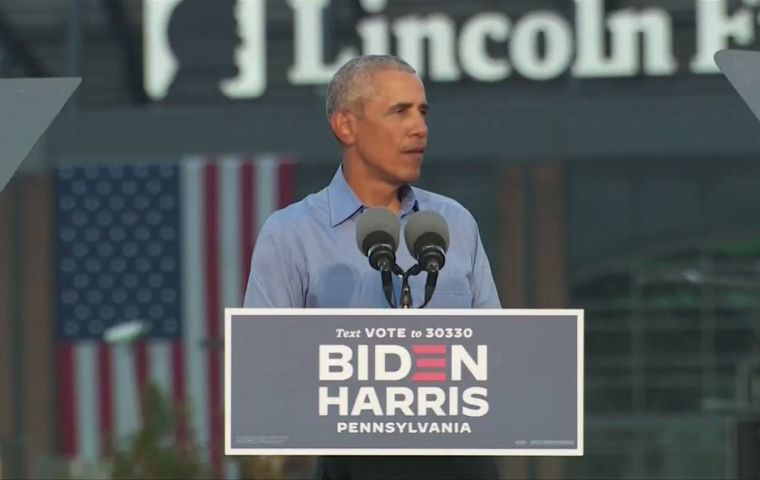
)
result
[(420, 128)]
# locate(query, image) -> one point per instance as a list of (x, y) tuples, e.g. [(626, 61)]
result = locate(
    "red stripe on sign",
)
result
[(178, 391), (213, 311), (68, 425), (429, 349), (428, 377), (247, 179), (105, 399), (431, 362), (286, 187), (141, 370)]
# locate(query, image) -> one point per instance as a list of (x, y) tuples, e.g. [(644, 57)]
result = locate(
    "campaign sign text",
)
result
[(404, 382)]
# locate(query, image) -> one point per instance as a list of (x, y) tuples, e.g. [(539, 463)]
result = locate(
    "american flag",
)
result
[(168, 245)]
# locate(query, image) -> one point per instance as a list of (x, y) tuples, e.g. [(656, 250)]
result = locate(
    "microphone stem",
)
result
[(406, 292)]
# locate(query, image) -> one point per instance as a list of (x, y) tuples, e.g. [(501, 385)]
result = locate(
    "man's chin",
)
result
[(410, 176)]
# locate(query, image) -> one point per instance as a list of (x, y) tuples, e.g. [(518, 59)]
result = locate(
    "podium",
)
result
[(403, 382)]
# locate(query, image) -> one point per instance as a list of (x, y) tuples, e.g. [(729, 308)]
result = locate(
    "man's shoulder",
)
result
[(298, 214), (451, 209)]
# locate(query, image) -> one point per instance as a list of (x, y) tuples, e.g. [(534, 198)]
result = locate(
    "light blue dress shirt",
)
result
[(306, 255)]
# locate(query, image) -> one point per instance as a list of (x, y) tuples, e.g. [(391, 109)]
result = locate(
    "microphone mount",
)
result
[(406, 291)]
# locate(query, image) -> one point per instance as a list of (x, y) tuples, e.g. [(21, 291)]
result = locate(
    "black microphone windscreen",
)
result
[(376, 224), (428, 226)]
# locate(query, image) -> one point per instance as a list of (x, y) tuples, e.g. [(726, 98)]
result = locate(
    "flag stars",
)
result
[(117, 234), (92, 265), (141, 202), (155, 280), (142, 234), (116, 172), (119, 296), (166, 202), (81, 280), (129, 218), (105, 250), (94, 297), (96, 327), (118, 246), (129, 187), (92, 204), (81, 312), (106, 312), (92, 234), (130, 281), (79, 188), (105, 281), (104, 187), (153, 187), (80, 250), (67, 234), (118, 265), (67, 203), (69, 296), (144, 296), (116, 202), (168, 295), (155, 249), (104, 218), (91, 173), (71, 328), (168, 265)]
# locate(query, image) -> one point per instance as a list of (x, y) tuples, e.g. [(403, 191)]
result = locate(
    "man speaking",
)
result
[(306, 255)]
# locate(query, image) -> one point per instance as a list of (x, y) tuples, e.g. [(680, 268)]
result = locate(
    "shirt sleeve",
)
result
[(484, 290), (275, 279)]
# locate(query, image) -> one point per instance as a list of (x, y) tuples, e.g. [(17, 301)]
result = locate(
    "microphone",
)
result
[(427, 238), (377, 232)]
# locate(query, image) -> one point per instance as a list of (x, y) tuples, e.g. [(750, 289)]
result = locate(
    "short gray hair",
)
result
[(347, 85)]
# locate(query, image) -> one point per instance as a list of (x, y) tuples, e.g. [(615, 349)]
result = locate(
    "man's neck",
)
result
[(371, 191)]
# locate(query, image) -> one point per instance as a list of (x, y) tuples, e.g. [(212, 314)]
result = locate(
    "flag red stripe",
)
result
[(431, 362), (286, 187), (428, 377), (246, 221), (68, 423), (178, 391), (141, 370), (105, 397), (213, 309), (428, 349)]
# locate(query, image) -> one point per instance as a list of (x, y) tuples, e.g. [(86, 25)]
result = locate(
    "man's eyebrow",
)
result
[(406, 106), (399, 106)]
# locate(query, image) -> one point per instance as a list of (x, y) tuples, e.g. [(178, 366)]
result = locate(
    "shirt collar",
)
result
[(344, 203)]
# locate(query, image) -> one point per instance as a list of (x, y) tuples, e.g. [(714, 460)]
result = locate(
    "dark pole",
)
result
[(17, 447)]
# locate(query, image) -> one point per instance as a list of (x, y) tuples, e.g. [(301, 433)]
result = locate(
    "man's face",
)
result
[(390, 129)]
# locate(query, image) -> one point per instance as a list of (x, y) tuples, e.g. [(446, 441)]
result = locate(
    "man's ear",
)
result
[(344, 127)]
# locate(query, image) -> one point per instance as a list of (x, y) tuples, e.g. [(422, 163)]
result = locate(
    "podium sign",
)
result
[(403, 382)]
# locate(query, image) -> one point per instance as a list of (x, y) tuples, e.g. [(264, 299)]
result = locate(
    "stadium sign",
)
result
[(540, 45)]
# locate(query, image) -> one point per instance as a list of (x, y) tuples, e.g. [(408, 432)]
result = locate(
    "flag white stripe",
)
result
[(230, 234), (266, 188), (230, 240), (193, 299), (159, 363), (88, 400), (125, 396)]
